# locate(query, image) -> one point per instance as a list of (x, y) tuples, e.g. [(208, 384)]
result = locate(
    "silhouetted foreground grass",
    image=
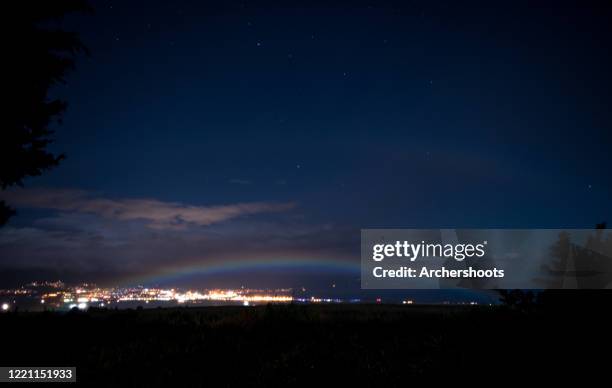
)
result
[(370, 345)]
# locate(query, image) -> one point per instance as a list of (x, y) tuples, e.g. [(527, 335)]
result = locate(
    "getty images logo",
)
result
[(411, 251)]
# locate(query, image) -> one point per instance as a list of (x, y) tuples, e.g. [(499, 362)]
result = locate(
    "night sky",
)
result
[(247, 143)]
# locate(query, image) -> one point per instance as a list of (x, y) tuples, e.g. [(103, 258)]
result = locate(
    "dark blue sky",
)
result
[(357, 114)]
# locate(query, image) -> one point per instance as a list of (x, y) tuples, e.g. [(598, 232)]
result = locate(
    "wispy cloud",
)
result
[(236, 181), (157, 214)]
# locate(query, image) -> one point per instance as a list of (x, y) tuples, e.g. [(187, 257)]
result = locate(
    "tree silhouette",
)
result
[(560, 252), (557, 268), (37, 56)]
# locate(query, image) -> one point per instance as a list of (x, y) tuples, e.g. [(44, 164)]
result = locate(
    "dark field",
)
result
[(366, 345)]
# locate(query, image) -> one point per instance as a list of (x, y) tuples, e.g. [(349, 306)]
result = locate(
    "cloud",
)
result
[(86, 247), (236, 181), (90, 237), (156, 214)]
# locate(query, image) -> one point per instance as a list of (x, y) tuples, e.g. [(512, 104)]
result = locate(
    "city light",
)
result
[(83, 296)]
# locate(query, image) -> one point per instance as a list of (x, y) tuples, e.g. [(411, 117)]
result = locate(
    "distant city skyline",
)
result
[(60, 296)]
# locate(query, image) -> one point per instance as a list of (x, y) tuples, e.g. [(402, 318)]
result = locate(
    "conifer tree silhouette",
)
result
[(36, 56)]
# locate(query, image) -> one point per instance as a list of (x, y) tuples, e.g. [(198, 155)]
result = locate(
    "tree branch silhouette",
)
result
[(37, 57)]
